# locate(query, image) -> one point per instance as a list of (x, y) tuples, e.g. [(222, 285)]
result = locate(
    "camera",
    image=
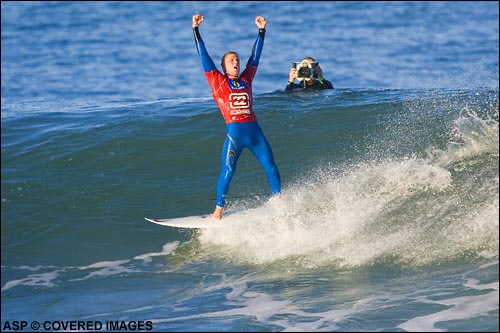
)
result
[(305, 70)]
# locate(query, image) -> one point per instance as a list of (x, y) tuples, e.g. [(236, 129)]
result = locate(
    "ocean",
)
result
[(388, 219)]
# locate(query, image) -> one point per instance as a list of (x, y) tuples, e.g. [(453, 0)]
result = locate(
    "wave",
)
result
[(370, 176), (410, 211)]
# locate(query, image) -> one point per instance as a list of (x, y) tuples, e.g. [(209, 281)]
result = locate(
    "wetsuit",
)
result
[(234, 99), (317, 85)]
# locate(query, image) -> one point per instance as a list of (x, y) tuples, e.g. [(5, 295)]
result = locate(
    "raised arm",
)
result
[(261, 22), (206, 61)]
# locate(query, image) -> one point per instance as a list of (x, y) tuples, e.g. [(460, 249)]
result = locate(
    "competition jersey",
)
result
[(233, 96)]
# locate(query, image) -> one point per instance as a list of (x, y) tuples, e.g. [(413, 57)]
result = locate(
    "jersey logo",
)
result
[(236, 84), (231, 153), (239, 101)]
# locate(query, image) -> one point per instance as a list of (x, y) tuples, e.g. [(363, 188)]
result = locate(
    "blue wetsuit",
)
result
[(234, 99)]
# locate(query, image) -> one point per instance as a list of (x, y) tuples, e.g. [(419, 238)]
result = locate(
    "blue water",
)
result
[(388, 220)]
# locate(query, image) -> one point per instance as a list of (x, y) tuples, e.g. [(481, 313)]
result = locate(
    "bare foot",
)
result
[(218, 212)]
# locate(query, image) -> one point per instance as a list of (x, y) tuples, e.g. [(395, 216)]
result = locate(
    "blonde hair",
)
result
[(223, 65)]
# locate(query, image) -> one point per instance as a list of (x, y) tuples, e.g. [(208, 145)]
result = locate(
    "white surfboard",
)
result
[(204, 221), (200, 221)]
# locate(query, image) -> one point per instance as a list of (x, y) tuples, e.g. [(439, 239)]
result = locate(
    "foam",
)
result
[(98, 269), (43, 279), (459, 308), (329, 220), (167, 249)]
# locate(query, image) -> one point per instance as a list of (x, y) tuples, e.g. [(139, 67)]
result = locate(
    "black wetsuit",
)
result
[(317, 85)]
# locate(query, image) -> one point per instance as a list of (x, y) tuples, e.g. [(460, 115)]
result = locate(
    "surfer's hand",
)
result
[(260, 21), (197, 19), (293, 75), (318, 71)]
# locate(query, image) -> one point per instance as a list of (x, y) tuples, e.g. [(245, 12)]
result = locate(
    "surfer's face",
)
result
[(232, 64)]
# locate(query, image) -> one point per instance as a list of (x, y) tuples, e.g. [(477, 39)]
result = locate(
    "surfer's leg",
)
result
[(262, 150), (230, 154)]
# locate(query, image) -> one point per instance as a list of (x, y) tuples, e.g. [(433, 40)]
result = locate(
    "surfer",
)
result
[(310, 73), (233, 94)]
